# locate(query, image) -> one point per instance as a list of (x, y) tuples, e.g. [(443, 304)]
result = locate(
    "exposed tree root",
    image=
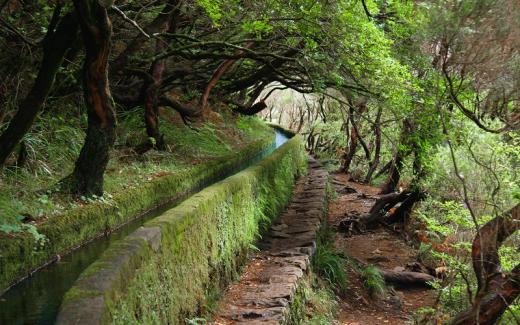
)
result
[(388, 209)]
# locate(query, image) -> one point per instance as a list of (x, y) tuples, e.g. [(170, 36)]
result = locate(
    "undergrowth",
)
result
[(321, 304), (327, 280), (373, 281), (28, 196), (327, 263)]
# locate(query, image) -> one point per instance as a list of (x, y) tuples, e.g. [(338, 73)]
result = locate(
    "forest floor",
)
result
[(382, 248)]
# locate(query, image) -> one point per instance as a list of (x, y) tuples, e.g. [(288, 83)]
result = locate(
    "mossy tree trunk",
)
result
[(59, 38), (87, 177)]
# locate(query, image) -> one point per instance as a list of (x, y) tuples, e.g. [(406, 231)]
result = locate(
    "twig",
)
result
[(132, 22), (13, 29)]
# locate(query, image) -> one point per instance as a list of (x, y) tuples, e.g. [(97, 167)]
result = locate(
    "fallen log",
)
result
[(407, 278)]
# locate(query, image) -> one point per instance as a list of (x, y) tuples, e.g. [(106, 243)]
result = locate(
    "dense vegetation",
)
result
[(419, 95)]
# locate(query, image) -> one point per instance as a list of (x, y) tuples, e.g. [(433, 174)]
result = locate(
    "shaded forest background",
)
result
[(421, 96)]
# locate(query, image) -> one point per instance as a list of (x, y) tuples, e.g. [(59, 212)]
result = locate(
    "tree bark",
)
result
[(56, 43), (388, 208), (352, 147), (87, 177), (219, 72), (395, 174), (407, 278), (384, 169), (151, 109), (151, 112), (354, 137), (496, 289), (402, 152), (377, 151), (383, 205)]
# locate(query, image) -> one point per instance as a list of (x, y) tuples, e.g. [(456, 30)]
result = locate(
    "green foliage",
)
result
[(373, 281), (321, 305), (328, 264), (487, 163), (443, 218)]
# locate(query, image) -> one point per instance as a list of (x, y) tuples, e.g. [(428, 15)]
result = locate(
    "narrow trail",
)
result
[(380, 247), (270, 281)]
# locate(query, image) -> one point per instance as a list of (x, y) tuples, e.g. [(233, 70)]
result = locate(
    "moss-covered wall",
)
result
[(289, 133), (161, 273), (19, 254)]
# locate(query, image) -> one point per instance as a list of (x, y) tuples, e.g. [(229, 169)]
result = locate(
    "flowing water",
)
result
[(37, 299)]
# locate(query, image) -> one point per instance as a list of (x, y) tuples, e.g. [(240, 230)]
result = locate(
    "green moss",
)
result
[(282, 129), (76, 294), (203, 241)]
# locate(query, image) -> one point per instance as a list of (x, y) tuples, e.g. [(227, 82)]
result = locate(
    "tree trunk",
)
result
[(388, 208), (383, 205), (151, 108), (87, 177), (496, 289), (395, 174), (384, 169), (355, 137), (56, 43), (377, 151), (402, 152), (352, 147), (400, 213), (219, 72)]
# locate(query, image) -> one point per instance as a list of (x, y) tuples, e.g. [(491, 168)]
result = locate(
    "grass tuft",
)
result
[(373, 281), (329, 264)]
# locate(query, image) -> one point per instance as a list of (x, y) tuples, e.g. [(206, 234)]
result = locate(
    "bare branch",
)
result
[(132, 22)]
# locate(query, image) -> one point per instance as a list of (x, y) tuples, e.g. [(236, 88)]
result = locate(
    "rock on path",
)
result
[(270, 280)]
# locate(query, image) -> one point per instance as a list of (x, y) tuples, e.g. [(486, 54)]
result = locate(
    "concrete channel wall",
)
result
[(164, 271)]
